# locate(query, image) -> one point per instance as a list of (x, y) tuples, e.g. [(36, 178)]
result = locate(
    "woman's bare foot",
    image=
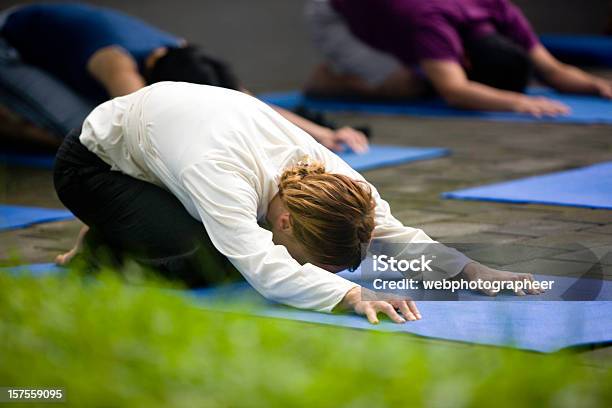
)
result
[(64, 259)]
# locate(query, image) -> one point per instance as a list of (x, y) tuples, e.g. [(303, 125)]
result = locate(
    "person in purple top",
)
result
[(477, 54)]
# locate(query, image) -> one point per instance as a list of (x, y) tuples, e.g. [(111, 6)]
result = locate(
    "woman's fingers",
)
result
[(541, 106), (389, 310), (531, 289), (371, 314), (405, 310), (528, 288), (354, 139), (354, 143), (413, 307)]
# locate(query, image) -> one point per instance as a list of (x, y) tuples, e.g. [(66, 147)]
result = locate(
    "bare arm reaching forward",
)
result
[(450, 80)]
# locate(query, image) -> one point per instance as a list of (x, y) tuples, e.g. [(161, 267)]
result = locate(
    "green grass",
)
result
[(114, 344)]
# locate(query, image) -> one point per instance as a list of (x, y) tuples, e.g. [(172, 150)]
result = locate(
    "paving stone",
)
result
[(479, 240), (452, 229), (571, 240), (583, 215), (465, 207), (604, 229), (532, 165), (506, 216), (486, 238), (543, 207), (600, 254), (413, 217), (40, 243), (559, 268), (510, 253), (541, 227)]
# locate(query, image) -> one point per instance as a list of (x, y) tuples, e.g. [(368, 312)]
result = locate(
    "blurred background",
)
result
[(267, 43)]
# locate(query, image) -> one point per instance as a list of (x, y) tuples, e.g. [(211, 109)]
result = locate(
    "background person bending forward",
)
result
[(176, 170), (67, 58), (477, 54)]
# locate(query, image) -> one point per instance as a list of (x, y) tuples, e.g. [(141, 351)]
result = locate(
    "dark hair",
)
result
[(498, 62), (191, 64)]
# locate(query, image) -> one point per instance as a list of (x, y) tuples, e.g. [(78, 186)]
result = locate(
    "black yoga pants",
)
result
[(136, 219)]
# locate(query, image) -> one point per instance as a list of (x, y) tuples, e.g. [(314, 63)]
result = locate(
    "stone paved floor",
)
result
[(541, 239)]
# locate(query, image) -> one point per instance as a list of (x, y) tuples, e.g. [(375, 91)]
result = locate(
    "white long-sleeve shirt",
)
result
[(221, 152)]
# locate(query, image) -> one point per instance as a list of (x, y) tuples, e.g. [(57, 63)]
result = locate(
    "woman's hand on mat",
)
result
[(475, 271), (397, 310), (540, 106), (338, 140)]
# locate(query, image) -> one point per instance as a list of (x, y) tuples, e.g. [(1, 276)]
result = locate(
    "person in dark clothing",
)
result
[(72, 57)]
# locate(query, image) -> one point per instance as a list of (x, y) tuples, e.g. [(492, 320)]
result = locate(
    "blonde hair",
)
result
[(332, 215)]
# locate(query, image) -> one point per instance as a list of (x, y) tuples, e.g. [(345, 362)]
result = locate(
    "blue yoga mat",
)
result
[(585, 109), (40, 269), (537, 324), (383, 156), (378, 156), (39, 161), (580, 49), (12, 216), (542, 325), (589, 187)]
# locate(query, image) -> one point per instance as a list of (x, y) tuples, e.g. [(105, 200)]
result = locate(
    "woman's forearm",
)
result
[(567, 78), (335, 140), (473, 95), (451, 81), (320, 133), (482, 97)]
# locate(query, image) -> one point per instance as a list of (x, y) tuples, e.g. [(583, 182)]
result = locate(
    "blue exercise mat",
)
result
[(12, 216), (542, 325), (383, 156), (378, 156), (585, 109), (41, 269), (580, 49), (39, 161), (539, 325), (589, 187)]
